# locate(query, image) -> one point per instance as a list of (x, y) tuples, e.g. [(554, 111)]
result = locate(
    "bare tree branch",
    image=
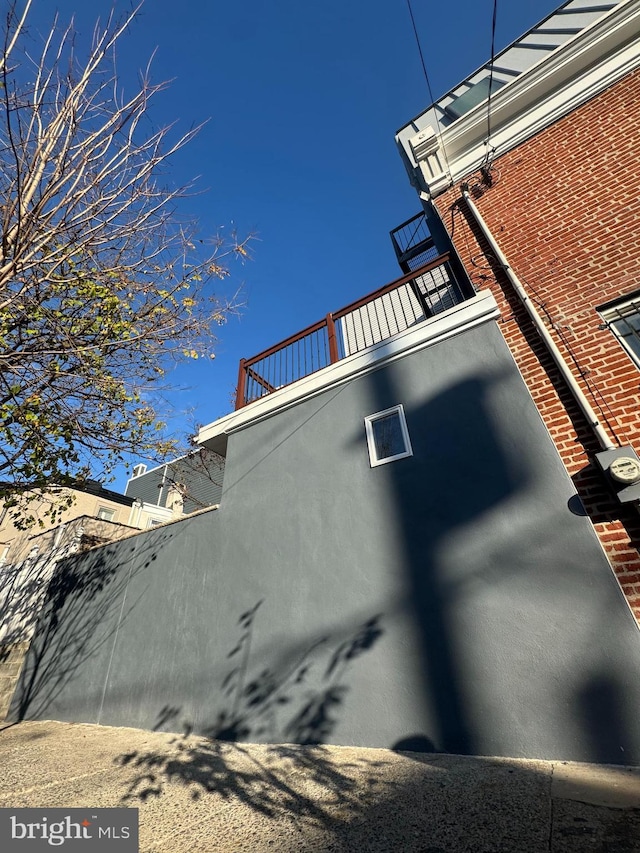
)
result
[(101, 284)]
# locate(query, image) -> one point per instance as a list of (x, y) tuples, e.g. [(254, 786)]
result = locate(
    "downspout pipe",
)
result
[(563, 367)]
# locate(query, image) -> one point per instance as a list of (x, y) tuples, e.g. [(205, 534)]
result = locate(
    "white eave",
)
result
[(439, 151), (480, 309)]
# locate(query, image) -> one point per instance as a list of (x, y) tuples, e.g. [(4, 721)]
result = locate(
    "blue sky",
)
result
[(303, 99)]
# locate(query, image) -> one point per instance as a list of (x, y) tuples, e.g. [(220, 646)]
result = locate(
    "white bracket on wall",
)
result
[(427, 153)]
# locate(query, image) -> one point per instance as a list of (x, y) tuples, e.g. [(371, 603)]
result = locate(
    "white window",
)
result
[(387, 436), (106, 514), (623, 319)]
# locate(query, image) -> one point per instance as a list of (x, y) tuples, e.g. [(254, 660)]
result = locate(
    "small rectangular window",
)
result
[(475, 94), (623, 319), (106, 514), (387, 436)]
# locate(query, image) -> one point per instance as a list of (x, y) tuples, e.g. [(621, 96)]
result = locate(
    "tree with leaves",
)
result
[(102, 285)]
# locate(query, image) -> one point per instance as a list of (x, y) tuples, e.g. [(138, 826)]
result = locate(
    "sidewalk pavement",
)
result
[(196, 795)]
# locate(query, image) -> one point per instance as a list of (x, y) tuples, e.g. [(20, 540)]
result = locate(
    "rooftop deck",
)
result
[(405, 302)]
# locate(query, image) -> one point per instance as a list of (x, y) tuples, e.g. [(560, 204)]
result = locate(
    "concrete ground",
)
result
[(197, 795)]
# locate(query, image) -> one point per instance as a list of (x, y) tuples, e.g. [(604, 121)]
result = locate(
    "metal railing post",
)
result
[(240, 390), (333, 341)]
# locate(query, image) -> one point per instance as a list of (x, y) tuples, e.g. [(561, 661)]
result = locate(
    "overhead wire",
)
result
[(493, 58), (426, 77), (592, 385), (593, 388)]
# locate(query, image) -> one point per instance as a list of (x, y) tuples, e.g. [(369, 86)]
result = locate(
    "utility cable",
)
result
[(424, 67), (426, 77), (592, 386), (493, 57)]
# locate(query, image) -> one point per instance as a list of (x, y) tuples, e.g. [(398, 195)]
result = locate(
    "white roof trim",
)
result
[(576, 71)]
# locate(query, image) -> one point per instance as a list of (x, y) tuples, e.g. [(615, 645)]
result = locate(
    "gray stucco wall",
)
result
[(448, 601)]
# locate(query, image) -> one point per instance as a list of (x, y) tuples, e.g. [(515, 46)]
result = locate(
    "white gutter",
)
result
[(563, 367)]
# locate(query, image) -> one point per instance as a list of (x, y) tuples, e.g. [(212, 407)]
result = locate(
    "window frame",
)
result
[(614, 311), (106, 509), (369, 420)]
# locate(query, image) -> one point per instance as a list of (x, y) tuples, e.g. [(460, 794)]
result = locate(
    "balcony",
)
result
[(413, 243), (405, 302)]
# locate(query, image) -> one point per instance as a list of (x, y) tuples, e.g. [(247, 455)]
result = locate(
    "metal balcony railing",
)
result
[(382, 314), (413, 243)]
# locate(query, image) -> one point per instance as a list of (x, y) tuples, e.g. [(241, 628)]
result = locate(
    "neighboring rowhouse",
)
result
[(52, 509), (538, 188), (187, 484)]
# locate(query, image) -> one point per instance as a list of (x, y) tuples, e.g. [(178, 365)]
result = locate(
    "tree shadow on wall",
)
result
[(22, 591), (295, 705), (76, 623)]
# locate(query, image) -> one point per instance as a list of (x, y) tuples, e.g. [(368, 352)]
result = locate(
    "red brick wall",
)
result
[(565, 209)]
